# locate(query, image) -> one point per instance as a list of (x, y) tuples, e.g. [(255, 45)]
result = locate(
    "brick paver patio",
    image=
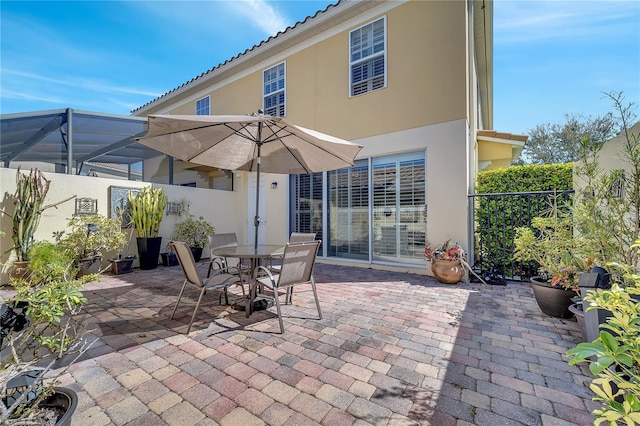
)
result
[(391, 349)]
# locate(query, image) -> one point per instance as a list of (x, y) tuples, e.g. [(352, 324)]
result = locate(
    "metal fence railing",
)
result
[(496, 216)]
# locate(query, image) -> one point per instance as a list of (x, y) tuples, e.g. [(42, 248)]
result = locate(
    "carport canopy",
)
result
[(69, 138)]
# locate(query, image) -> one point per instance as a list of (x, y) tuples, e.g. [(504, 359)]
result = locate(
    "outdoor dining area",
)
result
[(263, 332), (390, 348)]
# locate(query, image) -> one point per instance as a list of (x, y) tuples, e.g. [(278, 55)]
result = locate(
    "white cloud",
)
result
[(532, 21), (261, 15), (78, 83), (25, 96)]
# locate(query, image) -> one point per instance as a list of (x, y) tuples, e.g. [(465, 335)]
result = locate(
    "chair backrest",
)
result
[(297, 263), (302, 237), (188, 264), (228, 239)]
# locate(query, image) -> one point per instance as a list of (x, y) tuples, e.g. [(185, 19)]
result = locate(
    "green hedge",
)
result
[(547, 177), (496, 217)]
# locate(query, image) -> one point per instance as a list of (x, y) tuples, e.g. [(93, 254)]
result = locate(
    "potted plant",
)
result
[(28, 201), (550, 242), (147, 211), (38, 330), (614, 357), (446, 261), (194, 232), (122, 262), (87, 237)]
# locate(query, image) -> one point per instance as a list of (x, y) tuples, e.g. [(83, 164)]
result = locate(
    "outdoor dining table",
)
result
[(256, 255)]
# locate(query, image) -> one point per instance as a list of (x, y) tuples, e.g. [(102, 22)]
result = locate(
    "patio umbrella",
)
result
[(255, 142)]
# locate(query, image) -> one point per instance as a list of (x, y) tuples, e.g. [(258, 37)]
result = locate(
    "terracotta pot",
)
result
[(20, 269), (447, 271), (552, 300)]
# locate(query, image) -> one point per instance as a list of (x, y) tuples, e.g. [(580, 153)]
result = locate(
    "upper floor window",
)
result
[(367, 58), (202, 106), (273, 81)]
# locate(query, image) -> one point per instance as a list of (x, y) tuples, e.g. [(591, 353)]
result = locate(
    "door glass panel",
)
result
[(348, 212), (307, 204), (399, 223)]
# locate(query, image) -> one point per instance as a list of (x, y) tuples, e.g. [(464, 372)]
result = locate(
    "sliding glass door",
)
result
[(374, 211)]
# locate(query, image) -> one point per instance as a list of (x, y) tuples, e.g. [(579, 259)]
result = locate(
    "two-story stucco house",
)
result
[(411, 81)]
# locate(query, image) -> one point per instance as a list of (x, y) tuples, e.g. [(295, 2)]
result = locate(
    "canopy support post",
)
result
[(256, 219)]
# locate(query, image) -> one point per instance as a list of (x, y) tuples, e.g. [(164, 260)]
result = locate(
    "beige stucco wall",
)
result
[(426, 46), (425, 106), (609, 157), (498, 154), (220, 208), (447, 199)]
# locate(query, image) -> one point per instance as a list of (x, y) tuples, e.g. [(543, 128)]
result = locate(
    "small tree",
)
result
[(607, 212), (561, 142)]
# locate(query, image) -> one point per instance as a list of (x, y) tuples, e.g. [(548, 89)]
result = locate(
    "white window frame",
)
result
[(278, 90), (367, 58), (197, 110)]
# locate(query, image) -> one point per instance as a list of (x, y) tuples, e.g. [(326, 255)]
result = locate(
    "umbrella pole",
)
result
[(256, 219)]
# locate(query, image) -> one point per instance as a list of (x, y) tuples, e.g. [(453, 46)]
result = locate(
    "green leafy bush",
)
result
[(81, 243), (614, 357), (193, 231)]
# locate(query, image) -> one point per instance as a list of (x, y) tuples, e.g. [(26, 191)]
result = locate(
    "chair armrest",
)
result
[(266, 274)]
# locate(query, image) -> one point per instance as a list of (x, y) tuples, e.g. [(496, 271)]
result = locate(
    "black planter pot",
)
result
[(63, 399), (123, 265), (149, 251), (169, 259), (552, 300), (197, 253)]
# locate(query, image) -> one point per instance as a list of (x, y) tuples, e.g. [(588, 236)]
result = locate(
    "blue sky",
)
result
[(550, 57)]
